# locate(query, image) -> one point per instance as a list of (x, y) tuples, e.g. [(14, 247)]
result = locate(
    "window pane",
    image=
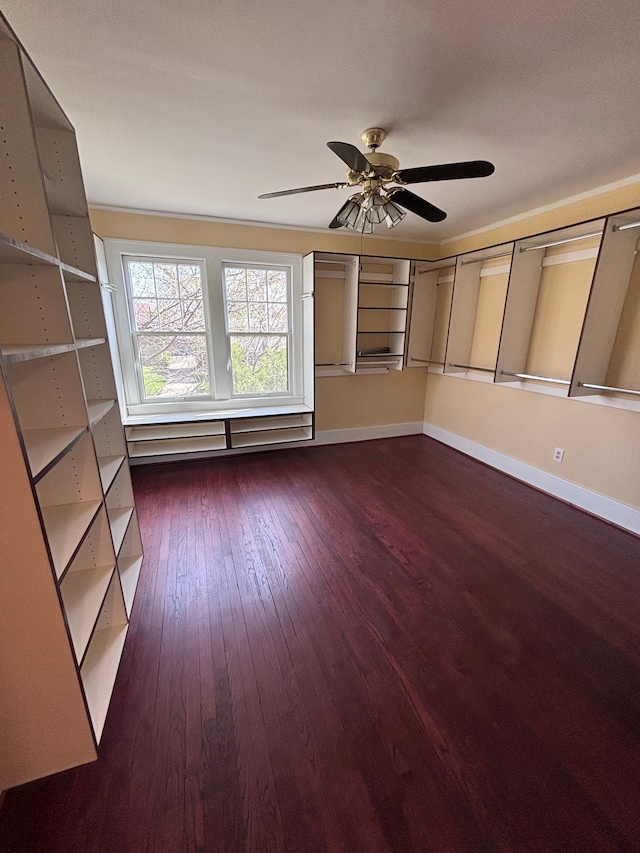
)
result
[(259, 364), (278, 317), (141, 278), (190, 280), (277, 285), (257, 285), (170, 314), (174, 365), (146, 314), (236, 283), (238, 316), (258, 317), (167, 280), (193, 315)]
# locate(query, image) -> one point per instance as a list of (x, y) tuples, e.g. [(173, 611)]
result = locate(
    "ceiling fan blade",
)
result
[(417, 205), (306, 190), (350, 155), (446, 172)]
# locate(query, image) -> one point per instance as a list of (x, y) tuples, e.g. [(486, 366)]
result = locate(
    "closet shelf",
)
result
[(74, 274), (14, 252), (11, 353), (60, 202), (99, 670), (97, 409), (119, 521), (83, 595), (109, 467), (129, 568), (45, 447), (66, 526)]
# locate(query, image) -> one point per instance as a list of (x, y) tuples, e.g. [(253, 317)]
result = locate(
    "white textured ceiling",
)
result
[(197, 107)]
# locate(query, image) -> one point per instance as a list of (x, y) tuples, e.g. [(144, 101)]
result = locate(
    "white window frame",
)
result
[(212, 260)]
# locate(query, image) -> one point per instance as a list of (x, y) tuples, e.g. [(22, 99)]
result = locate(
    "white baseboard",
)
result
[(592, 502), (339, 436)]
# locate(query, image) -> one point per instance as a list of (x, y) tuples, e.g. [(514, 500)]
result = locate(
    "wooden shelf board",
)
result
[(173, 431), (119, 521), (83, 593), (66, 526), (11, 353), (268, 437), (45, 446), (14, 252), (109, 467), (97, 409), (274, 423), (74, 274), (99, 671), (166, 447), (129, 568)]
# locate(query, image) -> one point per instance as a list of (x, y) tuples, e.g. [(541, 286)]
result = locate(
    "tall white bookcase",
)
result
[(70, 548)]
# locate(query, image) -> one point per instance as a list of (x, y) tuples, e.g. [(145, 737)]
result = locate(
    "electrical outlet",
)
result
[(558, 454)]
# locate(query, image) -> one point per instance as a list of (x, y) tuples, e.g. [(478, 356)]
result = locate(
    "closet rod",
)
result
[(540, 378), (333, 363), (560, 242), (471, 367), (626, 226), (608, 387), (487, 258), (426, 360)]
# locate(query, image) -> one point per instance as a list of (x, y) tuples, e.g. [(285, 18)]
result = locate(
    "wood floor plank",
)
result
[(383, 647)]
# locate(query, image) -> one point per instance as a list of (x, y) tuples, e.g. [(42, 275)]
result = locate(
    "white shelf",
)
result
[(177, 430), (259, 424), (109, 467), (119, 521), (271, 436), (14, 252), (45, 445), (66, 526), (97, 409), (129, 568), (12, 353), (60, 202), (168, 446), (99, 672), (83, 593)]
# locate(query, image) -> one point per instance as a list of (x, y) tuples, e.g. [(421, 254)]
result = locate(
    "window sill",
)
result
[(216, 414)]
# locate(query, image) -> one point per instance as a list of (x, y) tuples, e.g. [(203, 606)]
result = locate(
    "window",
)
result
[(169, 326), (257, 309), (201, 329)]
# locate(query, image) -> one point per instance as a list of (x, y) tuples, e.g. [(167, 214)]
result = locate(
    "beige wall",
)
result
[(602, 444), (341, 402)]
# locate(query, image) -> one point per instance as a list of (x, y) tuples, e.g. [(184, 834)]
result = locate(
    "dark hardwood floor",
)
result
[(362, 648)]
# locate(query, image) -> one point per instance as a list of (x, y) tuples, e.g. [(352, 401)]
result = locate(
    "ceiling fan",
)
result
[(372, 172)]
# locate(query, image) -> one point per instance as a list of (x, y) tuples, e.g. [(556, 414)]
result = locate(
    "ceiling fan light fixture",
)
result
[(349, 212), (393, 214), (374, 208), (363, 223)]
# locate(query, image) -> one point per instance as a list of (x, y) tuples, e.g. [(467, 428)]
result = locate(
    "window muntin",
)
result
[(257, 307), (168, 321)]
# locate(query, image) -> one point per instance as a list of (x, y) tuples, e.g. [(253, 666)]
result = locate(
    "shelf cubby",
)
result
[(69, 497), (96, 372), (158, 432), (97, 409), (48, 400), (23, 212), (129, 564), (257, 438), (85, 306), (549, 285), (477, 308), (82, 596), (74, 240), (335, 304), (61, 169), (431, 296), (119, 502), (102, 658), (177, 444), (33, 308), (608, 359)]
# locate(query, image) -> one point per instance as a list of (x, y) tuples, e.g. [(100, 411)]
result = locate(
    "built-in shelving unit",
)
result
[(361, 306), (71, 546)]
